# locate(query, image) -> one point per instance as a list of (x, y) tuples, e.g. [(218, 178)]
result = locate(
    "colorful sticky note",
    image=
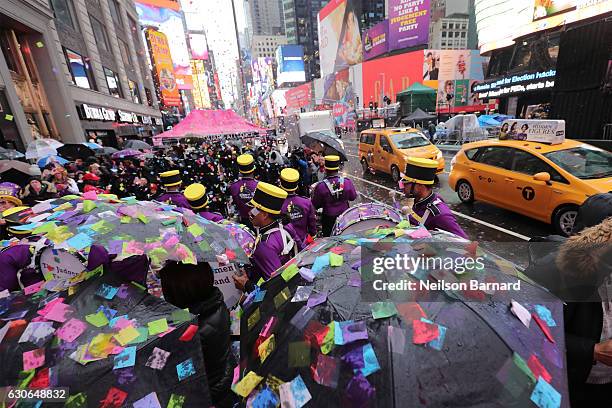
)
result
[(253, 319), (302, 293), (79, 241), (114, 398), (520, 312), (419, 233), (28, 290), (97, 319), (381, 310), (33, 359), (544, 327), (37, 333), (59, 312), (180, 316), (423, 332), (157, 326), (307, 274), (439, 342), (245, 386), (158, 358), (335, 259), (545, 314), (71, 330), (266, 348), (299, 354), (107, 291), (148, 401), (320, 263), (8, 117), (326, 371), (289, 272), (316, 299), (126, 335), (127, 358), (294, 394), (185, 369), (189, 333), (282, 297), (538, 369), (545, 395), (176, 401)]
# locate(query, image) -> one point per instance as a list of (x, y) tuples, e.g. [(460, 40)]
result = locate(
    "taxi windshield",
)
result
[(583, 162), (409, 140)]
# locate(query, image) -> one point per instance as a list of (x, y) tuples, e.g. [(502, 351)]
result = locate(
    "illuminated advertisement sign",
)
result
[(169, 22), (201, 94), (199, 49), (375, 40), (408, 23), (340, 43), (299, 97), (163, 67), (516, 84), (263, 77), (290, 64)]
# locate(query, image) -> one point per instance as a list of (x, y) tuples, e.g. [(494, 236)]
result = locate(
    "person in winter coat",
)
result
[(192, 286), (37, 190)]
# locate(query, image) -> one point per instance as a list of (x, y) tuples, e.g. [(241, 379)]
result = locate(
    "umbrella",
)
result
[(125, 153), (137, 144), (329, 140), (106, 151), (10, 154), (128, 227), (41, 148), (44, 161), (92, 145), (75, 151), (17, 172), (319, 331), (105, 339)]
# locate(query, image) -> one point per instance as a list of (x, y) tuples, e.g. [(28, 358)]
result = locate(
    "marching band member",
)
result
[(299, 210), (242, 191), (172, 184), (198, 200)]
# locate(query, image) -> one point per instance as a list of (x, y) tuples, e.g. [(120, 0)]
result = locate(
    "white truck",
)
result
[(318, 120)]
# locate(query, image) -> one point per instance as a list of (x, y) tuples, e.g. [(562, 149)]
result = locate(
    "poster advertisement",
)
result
[(263, 77), (375, 40), (389, 76), (547, 8), (454, 75), (201, 81), (199, 49), (408, 23), (170, 22), (340, 94), (298, 97), (340, 44), (163, 67), (223, 280), (290, 64)]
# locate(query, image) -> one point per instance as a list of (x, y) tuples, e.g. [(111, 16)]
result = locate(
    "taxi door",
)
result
[(488, 171), (528, 196), (385, 154)]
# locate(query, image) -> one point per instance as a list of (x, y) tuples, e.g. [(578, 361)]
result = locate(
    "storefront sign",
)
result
[(542, 131), (516, 84), (95, 113), (129, 117), (146, 120)]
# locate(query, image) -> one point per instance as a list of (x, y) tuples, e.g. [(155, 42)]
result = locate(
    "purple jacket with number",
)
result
[(175, 198), (211, 216), (333, 206), (17, 258), (267, 256), (242, 192), (301, 214), (440, 216)]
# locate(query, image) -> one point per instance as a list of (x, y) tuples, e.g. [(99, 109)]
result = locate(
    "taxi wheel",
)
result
[(465, 192), (564, 218), (395, 173), (365, 167)]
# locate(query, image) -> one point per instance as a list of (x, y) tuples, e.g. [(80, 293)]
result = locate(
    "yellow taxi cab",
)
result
[(543, 181), (387, 149)]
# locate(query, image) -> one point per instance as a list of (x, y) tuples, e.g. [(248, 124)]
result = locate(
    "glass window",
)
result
[(443, 34), (471, 153), (125, 53), (80, 70), (463, 35), (495, 156), (585, 162), (100, 33), (527, 163), (149, 96), (114, 9), (450, 34), (409, 140), (522, 57), (451, 26), (134, 92), (384, 143), (64, 12), (112, 80)]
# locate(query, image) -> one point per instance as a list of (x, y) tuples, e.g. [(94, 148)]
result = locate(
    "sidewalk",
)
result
[(448, 148)]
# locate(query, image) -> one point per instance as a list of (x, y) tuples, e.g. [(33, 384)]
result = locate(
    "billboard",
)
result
[(201, 95), (163, 67), (340, 43), (390, 75), (169, 22), (199, 48), (339, 93), (408, 23), (298, 97), (263, 78), (290, 64), (376, 40)]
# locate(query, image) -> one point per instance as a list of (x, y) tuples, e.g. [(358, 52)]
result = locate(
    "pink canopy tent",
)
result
[(210, 123)]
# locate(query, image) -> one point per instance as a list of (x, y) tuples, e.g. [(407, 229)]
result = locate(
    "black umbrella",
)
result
[(99, 342), (332, 145), (10, 154), (137, 144), (106, 151), (17, 172), (328, 336), (75, 151)]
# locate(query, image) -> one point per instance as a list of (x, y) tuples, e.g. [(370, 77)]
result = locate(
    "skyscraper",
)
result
[(266, 17)]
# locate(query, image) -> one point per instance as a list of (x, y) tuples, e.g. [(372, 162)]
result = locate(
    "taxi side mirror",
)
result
[(543, 176)]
